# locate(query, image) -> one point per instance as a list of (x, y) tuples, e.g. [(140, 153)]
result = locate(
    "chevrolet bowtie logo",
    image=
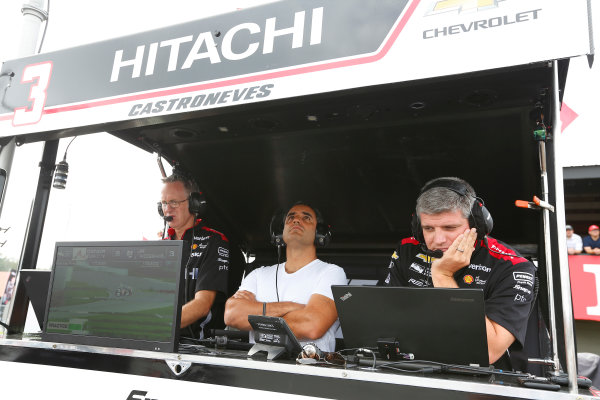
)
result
[(462, 5)]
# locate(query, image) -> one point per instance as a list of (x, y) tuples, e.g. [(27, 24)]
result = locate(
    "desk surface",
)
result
[(234, 371)]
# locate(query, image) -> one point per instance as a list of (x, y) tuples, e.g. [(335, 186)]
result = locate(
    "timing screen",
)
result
[(115, 292)]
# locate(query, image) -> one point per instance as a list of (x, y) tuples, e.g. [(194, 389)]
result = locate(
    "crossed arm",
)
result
[(442, 275), (307, 321), (589, 250)]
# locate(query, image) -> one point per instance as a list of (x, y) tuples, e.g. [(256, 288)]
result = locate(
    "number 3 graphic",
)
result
[(37, 95)]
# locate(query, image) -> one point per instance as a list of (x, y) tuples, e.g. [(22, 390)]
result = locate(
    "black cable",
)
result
[(277, 270), (2, 324), (187, 265)]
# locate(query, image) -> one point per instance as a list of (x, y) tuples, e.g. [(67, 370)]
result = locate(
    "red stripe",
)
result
[(410, 240), (239, 81), (212, 230), (494, 245)]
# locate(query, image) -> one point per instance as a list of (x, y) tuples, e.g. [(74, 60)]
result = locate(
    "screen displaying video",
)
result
[(125, 292)]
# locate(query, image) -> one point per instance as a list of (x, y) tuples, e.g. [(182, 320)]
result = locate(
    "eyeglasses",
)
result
[(311, 354), (172, 203)]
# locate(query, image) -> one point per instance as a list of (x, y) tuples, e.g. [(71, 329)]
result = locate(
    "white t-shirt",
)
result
[(314, 278), (575, 242)]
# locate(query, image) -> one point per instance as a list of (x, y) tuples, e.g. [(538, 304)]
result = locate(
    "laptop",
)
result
[(36, 282), (434, 324), (115, 294)]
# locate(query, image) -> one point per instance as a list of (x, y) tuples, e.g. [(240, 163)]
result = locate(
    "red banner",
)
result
[(585, 286)]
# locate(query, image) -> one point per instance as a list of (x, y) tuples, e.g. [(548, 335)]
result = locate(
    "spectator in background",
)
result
[(574, 243), (591, 243)]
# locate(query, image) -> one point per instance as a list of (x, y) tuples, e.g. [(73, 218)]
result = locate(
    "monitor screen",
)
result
[(115, 294)]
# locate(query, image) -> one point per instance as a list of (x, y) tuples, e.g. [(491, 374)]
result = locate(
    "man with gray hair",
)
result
[(450, 248), (205, 256)]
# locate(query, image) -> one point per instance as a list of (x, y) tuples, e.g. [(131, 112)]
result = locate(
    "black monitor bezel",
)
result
[(101, 341)]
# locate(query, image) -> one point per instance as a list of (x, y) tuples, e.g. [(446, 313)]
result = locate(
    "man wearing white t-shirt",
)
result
[(574, 242), (298, 290)]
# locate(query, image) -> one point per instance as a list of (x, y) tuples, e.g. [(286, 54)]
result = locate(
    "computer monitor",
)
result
[(115, 294), (434, 324), (36, 283)]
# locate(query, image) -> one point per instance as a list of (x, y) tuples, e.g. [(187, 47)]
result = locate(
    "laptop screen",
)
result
[(115, 294), (434, 324)]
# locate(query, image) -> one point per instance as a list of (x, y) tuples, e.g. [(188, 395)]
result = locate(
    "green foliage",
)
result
[(7, 264)]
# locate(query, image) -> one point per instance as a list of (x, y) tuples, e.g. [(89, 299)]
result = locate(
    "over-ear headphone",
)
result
[(479, 218), (322, 232), (196, 205)]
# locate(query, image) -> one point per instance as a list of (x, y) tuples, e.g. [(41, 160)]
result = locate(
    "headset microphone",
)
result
[(168, 218)]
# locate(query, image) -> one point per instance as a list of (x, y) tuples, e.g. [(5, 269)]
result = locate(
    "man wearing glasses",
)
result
[(205, 257)]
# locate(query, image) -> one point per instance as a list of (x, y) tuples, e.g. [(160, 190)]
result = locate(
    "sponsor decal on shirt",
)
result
[(479, 281), (416, 282), (223, 252), (520, 298), (395, 255), (196, 254), (201, 237), (468, 279), (223, 260), (523, 278), (420, 269), (223, 268), (387, 279), (425, 258), (391, 264), (477, 267), (522, 289)]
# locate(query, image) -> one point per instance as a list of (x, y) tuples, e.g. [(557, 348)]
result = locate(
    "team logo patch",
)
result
[(194, 246), (460, 6), (468, 279), (223, 252), (523, 278)]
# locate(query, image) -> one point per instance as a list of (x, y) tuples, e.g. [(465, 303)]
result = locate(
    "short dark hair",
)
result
[(318, 214), (189, 185), (441, 199)]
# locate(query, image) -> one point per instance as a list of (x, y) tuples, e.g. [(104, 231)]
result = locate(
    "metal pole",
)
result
[(565, 280), (548, 254), (7, 153), (33, 16)]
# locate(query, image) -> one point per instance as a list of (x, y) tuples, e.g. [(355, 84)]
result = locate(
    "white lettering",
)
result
[(210, 53), (316, 28), (152, 49), (174, 54), (228, 38), (118, 63), (415, 282), (594, 269), (477, 267), (297, 32)]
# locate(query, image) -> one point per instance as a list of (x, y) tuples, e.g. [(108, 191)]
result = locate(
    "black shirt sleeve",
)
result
[(213, 268), (510, 297), (396, 274)]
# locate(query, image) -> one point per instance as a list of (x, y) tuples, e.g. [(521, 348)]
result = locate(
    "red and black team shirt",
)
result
[(507, 280), (207, 250)]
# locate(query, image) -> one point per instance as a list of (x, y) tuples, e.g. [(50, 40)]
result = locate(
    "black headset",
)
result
[(196, 205), (479, 218), (322, 232)]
